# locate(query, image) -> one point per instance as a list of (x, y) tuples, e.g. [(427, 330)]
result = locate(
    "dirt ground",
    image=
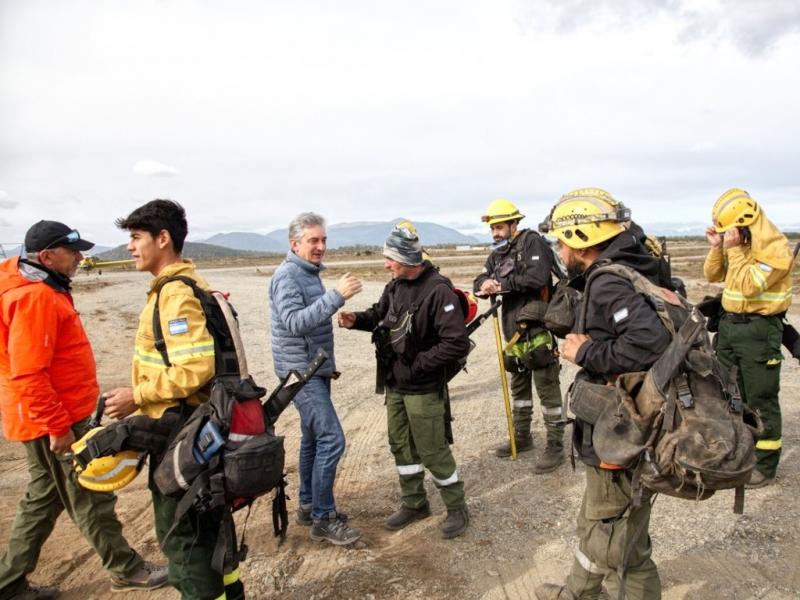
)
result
[(522, 528)]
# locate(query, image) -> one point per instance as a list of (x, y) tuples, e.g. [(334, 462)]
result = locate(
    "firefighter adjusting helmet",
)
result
[(500, 211), (107, 473), (735, 208), (586, 217)]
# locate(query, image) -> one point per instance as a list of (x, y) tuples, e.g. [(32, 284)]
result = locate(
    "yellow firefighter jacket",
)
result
[(190, 346), (758, 278)]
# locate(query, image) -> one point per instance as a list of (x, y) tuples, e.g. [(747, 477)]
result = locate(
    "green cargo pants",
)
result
[(190, 548), (53, 488), (753, 344), (548, 388), (417, 441), (607, 529)]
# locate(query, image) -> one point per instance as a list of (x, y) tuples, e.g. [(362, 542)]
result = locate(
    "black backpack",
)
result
[(225, 455)]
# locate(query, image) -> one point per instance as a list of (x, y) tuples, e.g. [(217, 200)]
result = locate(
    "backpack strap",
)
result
[(639, 282), (427, 289), (280, 516), (220, 361), (158, 331)]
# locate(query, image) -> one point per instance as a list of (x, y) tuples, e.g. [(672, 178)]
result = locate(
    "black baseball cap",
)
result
[(45, 235)]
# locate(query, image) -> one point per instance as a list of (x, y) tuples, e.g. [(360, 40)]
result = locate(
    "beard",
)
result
[(575, 269)]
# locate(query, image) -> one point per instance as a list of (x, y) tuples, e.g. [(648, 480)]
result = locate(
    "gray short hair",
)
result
[(32, 256), (304, 221)]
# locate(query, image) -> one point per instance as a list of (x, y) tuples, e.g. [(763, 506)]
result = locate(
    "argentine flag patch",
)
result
[(620, 315), (179, 326)]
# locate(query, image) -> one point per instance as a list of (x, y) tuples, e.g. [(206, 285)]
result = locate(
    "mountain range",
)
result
[(363, 233)]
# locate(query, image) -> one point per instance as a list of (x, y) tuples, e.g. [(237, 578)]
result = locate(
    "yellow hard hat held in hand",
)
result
[(104, 473), (107, 473), (586, 217)]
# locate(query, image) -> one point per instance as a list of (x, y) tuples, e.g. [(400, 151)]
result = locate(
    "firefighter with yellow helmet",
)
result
[(622, 333), (520, 268), (754, 260)]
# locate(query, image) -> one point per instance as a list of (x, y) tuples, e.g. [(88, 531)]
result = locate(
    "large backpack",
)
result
[(226, 454), (681, 425)]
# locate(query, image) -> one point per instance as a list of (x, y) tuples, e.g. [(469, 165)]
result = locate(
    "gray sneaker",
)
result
[(334, 530), (304, 516), (36, 592), (149, 577)]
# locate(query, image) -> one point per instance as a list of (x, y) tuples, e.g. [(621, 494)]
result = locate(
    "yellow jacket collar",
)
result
[(184, 267)]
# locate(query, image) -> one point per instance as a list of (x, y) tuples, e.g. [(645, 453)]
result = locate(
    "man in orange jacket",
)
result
[(48, 389)]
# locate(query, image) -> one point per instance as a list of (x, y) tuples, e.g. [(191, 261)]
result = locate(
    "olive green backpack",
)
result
[(681, 425)]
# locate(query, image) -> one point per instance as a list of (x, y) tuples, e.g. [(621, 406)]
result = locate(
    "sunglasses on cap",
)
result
[(68, 238)]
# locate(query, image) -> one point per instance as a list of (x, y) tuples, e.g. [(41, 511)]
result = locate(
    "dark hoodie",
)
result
[(627, 334), (523, 268), (438, 336)]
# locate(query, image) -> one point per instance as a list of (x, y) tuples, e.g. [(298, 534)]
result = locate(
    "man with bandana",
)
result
[(520, 268), (418, 327)]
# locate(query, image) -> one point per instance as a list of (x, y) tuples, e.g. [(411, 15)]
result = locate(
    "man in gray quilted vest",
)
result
[(301, 310)]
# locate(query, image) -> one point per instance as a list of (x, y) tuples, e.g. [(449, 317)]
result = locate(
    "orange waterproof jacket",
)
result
[(48, 378)]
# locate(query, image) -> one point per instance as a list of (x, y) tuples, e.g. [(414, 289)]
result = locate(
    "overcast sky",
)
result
[(248, 112)]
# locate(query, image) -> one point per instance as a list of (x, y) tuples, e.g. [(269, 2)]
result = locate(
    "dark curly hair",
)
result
[(155, 216)]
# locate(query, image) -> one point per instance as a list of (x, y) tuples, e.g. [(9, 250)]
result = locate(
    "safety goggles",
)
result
[(68, 238)]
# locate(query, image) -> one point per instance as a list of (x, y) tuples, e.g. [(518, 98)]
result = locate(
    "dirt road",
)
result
[(522, 530)]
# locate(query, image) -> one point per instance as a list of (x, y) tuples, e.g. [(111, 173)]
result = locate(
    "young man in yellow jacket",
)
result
[(754, 260), (157, 232)]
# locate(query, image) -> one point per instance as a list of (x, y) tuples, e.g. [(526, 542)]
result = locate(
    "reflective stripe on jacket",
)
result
[(750, 286), (48, 377), (190, 346)]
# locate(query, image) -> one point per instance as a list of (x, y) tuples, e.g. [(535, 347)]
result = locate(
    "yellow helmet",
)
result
[(500, 211), (735, 208), (107, 473), (586, 217)]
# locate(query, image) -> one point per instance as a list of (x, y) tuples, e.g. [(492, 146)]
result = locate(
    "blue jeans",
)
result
[(321, 446)]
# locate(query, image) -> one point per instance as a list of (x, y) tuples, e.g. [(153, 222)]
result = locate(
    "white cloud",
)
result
[(153, 168), (704, 146), (4, 223), (6, 202), (753, 26)]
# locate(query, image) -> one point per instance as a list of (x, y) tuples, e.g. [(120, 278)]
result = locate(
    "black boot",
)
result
[(552, 457), (455, 524), (524, 444), (405, 516)]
